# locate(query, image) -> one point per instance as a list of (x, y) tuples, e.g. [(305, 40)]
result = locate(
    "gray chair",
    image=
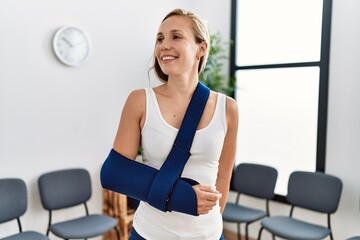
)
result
[(13, 204), (67, 188), (353, 238), (253, 180), (315, 191)]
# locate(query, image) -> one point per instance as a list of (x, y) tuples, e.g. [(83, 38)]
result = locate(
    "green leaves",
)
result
[(213, 75)]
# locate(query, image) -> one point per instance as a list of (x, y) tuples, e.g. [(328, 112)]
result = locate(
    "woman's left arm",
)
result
[(227, 157)]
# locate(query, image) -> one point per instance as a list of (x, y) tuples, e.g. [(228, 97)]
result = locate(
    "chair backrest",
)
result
[(255, 180), (315, 191), (64, 188), (13, 199)]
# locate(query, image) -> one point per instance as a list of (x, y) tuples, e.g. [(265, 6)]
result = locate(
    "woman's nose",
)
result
[(165, 45)]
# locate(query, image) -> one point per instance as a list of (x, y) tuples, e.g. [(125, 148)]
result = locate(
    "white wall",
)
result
[(52, 116), (343, 140)]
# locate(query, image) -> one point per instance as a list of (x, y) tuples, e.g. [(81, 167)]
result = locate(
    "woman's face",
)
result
[(176, 49)]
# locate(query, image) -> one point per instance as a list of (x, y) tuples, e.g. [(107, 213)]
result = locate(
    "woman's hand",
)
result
[(207, 198)]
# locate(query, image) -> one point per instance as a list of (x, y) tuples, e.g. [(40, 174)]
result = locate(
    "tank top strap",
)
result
[(219, 118), (153, 115)]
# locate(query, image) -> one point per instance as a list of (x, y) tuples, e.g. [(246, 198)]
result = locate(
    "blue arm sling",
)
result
[(163, 189)]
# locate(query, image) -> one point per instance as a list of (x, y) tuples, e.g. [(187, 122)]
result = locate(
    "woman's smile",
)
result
[(168, 58)]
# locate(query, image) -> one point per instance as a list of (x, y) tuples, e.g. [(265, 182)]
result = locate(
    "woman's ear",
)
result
[(202, 49)]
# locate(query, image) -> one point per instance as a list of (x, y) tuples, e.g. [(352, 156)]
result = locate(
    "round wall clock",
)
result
[(71, 45)]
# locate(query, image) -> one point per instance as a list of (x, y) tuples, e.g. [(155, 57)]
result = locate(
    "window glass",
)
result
[(278, 111), (278, 31)]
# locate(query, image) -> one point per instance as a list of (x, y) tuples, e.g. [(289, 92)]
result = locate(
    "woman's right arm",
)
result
[(127, 139)]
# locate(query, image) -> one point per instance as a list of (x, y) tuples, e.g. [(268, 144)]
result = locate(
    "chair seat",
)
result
[(28, 235), (354, 238), (84, 227), (294, 229), (237, 213)]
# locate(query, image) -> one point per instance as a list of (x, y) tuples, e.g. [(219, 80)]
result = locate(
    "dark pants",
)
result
[(135, 236)]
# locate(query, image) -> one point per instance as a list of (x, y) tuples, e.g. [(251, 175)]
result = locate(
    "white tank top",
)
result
[(157, 138)]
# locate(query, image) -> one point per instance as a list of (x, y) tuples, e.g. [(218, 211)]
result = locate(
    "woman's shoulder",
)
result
[(232, 111), (231, 103), (136, 100), (136, 95)]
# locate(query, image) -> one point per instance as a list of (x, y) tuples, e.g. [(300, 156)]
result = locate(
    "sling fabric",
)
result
[(164, 189), (131, 178), (180, 152)]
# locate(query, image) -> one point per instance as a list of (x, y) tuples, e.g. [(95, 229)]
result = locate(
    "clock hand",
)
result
[(67, 41), (77, 43)]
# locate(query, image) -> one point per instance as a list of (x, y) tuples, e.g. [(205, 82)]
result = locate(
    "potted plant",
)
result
[(213, 74)]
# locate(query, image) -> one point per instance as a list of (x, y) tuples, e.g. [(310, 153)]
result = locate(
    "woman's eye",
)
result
[(159, 39), (176, 37)]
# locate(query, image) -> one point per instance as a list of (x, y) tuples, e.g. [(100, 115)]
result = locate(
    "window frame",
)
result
[(323, 65)]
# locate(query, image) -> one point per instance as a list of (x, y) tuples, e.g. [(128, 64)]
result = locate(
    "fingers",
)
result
[(212, 196), (207, 188), (207, 198)]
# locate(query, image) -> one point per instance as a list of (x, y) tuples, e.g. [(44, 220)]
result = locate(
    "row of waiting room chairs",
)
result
[(314, 191), (58, 190), (65, 188)]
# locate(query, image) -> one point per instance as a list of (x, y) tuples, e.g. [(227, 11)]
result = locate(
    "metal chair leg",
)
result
[(247, 231), (260, 231), (238, 231)]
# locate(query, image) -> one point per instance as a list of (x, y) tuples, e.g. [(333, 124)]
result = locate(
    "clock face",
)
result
[(71, 46)]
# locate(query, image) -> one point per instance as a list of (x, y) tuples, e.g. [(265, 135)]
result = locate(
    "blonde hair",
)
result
[(201, 34)]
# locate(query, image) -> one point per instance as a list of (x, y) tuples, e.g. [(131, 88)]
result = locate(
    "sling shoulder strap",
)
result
[(172, 168)]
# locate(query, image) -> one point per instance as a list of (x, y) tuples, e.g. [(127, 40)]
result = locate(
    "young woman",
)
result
[(151, 118)]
